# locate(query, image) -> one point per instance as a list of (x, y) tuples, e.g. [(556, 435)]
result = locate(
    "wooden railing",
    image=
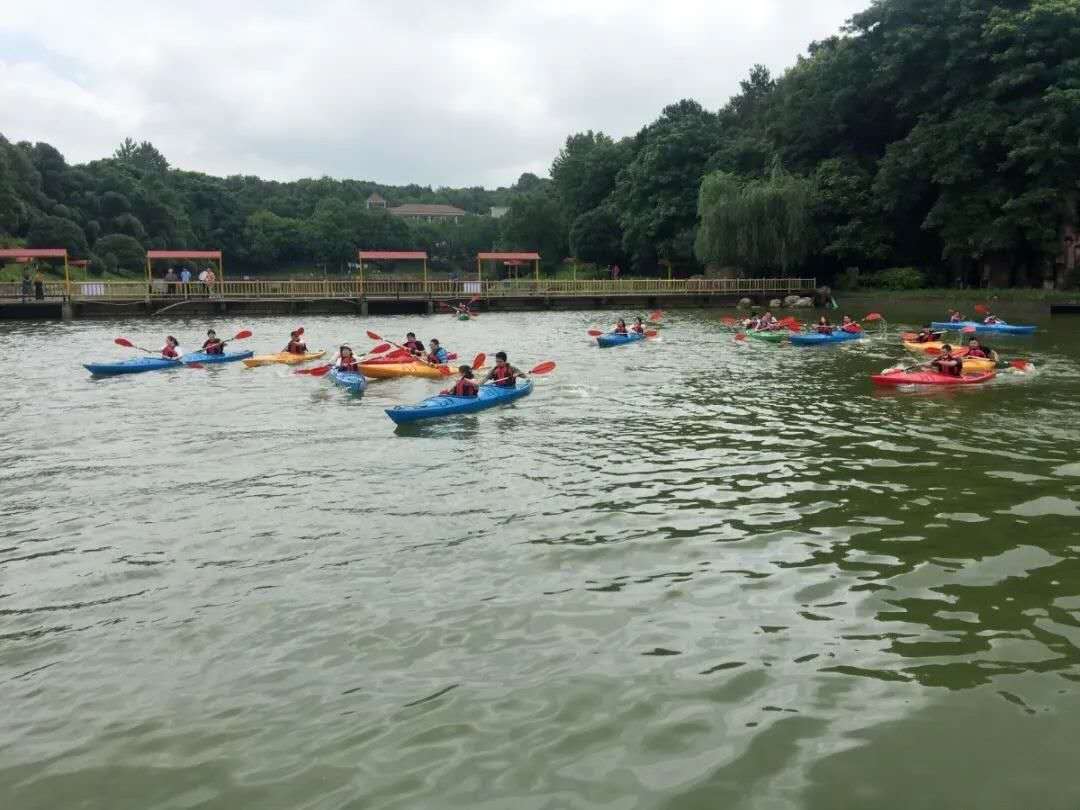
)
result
[(121, 291)]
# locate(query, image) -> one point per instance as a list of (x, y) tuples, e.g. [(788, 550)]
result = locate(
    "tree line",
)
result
[(942, 135)]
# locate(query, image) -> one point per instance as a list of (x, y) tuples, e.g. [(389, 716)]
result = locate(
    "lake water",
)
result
[(684, 574)]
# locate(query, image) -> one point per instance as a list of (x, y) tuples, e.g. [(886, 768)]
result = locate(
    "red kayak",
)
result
[(929, 378)]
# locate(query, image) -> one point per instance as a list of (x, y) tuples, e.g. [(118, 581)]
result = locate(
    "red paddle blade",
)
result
[(1023, 365), (479, 360), (932, 350), (124, 342), (873, 316), (794, 327), (651, 333), (444, 371), (727, 320), (656, 316), (982, 309), (316, 371), (907, 337), (595, 333), (373, 336), (382, 347), (740, 337), (968, 330), (242, 334), (544, 368)]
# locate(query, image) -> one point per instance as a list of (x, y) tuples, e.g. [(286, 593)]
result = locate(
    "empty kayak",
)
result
[(350, 381), (415, 369), (929, 378), (136, 365), (817, 338), (1003, 328), (767, 337), (443, 405), (284, 358), (227, 357), (618, 339)]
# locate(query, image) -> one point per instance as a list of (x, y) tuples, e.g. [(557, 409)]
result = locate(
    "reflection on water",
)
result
[(691, 573)]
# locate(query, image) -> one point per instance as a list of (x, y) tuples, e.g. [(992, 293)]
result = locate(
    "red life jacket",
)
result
[(213, 346), (465, 387), (296, 347), (978, 352), (169, 351), (824, 329), (851, 328), (349, 366), (620, 330), (639, 329), (414, 345), (504, 376)]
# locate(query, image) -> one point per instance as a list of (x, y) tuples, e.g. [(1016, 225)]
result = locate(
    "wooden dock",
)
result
[(82, 299)]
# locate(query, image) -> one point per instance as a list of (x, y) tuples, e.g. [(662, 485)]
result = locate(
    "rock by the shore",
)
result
[(745, 303), (804, 303), (775, 303), (791, 301)]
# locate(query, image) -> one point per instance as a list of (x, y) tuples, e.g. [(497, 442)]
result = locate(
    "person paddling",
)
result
[(767, 322), (346, 361), (171, 350), (926, 335), (436, 353), (295, 345), (849, 326), (991, 318), (620, 327), (639, 326), (465, 386), (213, 345), (413, 346), (975, 348), (823, 326), (947, 362), (503, 374), (955, 316)]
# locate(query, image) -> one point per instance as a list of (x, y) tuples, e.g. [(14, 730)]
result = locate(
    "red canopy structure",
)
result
[(516, 258), (392, 256), (152, 255), (23, 255)]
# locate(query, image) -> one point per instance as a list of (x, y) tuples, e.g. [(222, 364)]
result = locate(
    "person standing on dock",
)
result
[(39, 286), (27, 286), (170, 281), (185, 279)]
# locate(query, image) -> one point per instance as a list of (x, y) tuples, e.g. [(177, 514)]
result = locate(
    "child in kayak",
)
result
[(465, 386), (620, 327), (638, 326), (767, 323), (947, 362), (436, 353), (503, 374), (346, 361), (992, 319), (295, 344), (171, 350), (955, 316), (926, 335), (212, 344), (413, 346), (975, 348), (823, 326), (849, 326)]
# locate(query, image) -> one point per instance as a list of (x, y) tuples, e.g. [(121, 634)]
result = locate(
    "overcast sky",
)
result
[(427, 91)]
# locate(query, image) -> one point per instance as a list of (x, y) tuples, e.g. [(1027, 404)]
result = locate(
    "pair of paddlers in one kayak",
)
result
[(622, 329), (502, 375)]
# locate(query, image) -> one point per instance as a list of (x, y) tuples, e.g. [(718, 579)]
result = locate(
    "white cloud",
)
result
[(424, 91)]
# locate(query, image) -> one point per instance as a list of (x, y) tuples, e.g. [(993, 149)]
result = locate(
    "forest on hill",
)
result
[(929, 142)]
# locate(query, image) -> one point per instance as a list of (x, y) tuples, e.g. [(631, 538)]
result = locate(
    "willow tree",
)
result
[(759, 224)]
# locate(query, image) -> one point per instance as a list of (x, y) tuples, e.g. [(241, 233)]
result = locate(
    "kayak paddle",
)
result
[(122, 341), (546, 367), (418, 358)]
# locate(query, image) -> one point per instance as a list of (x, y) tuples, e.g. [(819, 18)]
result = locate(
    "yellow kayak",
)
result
[(386, 370), (932, 347), (284, 358)]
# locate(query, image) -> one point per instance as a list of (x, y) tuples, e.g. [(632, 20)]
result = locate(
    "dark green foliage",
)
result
[(535, 222), (896, 278), (596, 237), (57, 232), (128, 253)]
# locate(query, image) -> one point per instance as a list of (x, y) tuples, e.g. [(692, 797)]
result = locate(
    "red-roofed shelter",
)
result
[(392, 256), (512, 259), (24, 255), (212, 255)]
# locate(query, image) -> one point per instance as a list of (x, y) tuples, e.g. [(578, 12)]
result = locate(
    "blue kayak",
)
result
[(351, 381), (443, 405), (227, 357), (136, 365), (817, 338), (618, 339), (1002, 328)]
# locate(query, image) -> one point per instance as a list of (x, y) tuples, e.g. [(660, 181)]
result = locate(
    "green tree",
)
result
[(57, 232), (127, 252), (596, 237), (534, 222), (583, 174), (756, 224)]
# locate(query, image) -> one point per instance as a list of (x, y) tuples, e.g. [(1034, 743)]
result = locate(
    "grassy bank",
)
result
[(946, 295)]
